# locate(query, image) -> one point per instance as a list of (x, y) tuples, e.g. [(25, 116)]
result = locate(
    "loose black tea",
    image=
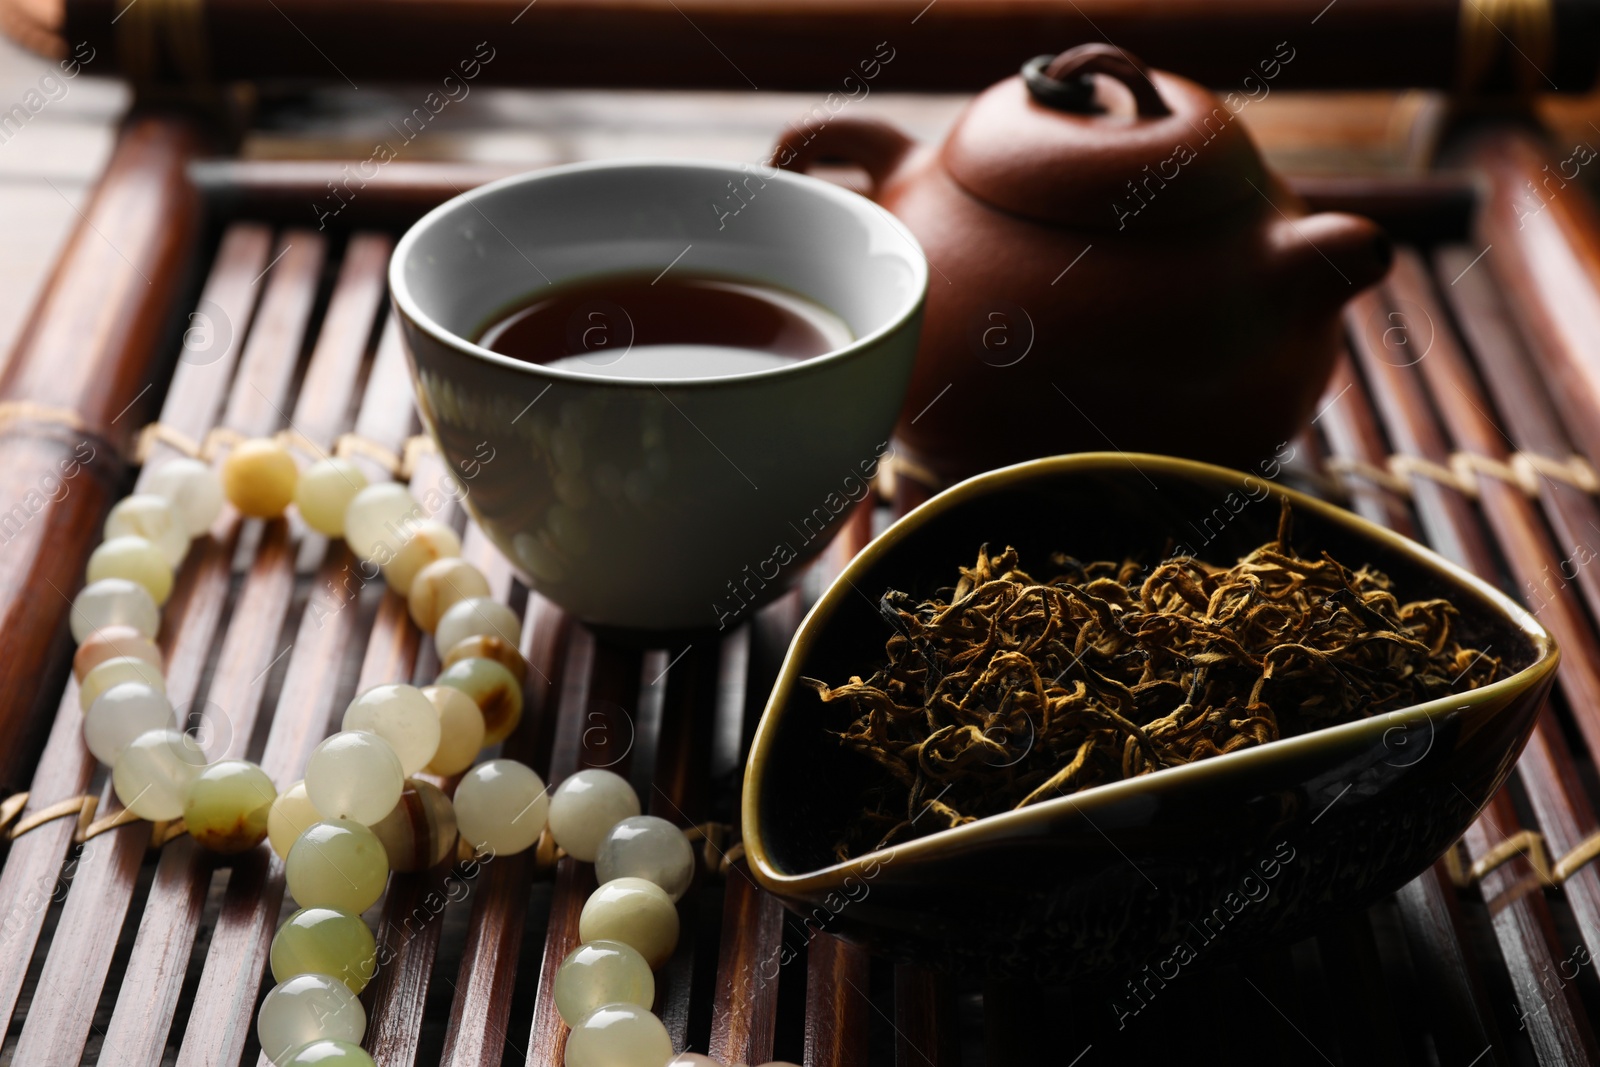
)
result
[(1005, 691), (671, 325)]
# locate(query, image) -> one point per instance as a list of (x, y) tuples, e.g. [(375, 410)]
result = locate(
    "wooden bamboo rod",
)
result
[(817, 44), (80, 370)]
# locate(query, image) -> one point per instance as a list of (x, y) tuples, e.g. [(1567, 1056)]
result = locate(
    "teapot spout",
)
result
[(1331, 255)]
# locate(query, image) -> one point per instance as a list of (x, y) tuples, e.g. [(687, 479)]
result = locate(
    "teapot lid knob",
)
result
[(1064, 81)]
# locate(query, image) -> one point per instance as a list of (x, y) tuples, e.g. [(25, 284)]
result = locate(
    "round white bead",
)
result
[(460, 730), (153, 772), (307, 1008), (479, 615), (114, 602), (635, 912), (586, 806), (378, 516), (336, 864), (192, 487), (113, 642), (602, 972), (152, 517), (122, 713), (136, 560), (354, 775), (402, 716), (618, 1035), (115, 672), (644, 846), (441, 585), (324, 492), (501, 806), (292, 814), (429, 540)]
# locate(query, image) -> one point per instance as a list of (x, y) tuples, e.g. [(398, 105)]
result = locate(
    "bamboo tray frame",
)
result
[(119, 953)]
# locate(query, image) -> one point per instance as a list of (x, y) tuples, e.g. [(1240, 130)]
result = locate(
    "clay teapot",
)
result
[(1113, 267)]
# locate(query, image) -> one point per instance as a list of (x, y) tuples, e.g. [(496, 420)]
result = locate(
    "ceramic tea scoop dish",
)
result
[(1113, 267), (1198, 861)]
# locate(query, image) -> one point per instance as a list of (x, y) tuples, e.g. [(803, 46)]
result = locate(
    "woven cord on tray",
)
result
[(712, 835), (1525, 470), (400, 464)]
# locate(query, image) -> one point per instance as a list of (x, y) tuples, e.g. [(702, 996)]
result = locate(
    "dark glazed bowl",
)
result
[(1194, 862)]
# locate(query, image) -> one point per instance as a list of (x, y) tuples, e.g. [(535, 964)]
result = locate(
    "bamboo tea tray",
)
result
[(1463, 416)]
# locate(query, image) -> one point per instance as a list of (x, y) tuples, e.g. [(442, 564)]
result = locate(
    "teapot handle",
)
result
[(871, 144), (1063, 81)]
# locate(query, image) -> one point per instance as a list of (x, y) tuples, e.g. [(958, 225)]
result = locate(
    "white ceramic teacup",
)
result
[(667, 503)]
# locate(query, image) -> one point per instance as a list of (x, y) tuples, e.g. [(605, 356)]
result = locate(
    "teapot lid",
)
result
[(1092, 139)]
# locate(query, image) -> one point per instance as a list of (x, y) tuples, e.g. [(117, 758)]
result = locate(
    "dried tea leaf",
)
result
[(1011, 691)]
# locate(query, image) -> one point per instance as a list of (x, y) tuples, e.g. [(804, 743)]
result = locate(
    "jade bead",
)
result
[(474, 617), (153, 518), (226, 806), (324, 491), (602, 972), (429, 541), (337, 864), (635, 912), (421, 830), (136, 560), (325, 941), (483, 646), (115, 672), (193, 489), (440, 586), (153, 773), (375, 522), (120, 715), (259, 477), (460, 730), (328, 1053), (292, 814), (644, 846), (493, 688), (501, 806), (618, 1035), (354, 775), (307, 1008), (402, 716), (585, 807), (114, 642), (114, 602), (693, 1059)]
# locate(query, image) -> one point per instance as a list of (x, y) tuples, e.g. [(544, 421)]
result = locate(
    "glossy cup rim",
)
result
[(405, 302), (1007, 824)]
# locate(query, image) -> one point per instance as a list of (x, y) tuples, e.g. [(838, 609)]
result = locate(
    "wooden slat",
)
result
[(1564, 813), (479, 1013), (836, 1011), (65, 767), (233, 968), (398, 994), (58, 1025), (170, 917), (1452, 988), (1523, 926)]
